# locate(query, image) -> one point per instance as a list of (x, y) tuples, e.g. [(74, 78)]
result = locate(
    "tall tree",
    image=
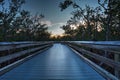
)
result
[(112, 22), (21, 26), (7, 15), (97, 20), (39, 29), (85, 15)]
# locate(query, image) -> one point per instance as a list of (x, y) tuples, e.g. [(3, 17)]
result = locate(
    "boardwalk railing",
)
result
[(103, 56), (12, 52)]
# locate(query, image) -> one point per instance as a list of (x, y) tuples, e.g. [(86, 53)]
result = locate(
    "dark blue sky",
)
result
[(53, 16)]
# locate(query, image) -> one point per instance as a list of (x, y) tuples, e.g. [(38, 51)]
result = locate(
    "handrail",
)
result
[(100, 58), (113, 43), (9, 57), (20, 45), (18, 50), (15, 43), (23, 42), (109, 46)]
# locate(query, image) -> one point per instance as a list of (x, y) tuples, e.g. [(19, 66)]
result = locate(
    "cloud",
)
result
[(47, 22), (50, 24), (54, 28), (59, 23)]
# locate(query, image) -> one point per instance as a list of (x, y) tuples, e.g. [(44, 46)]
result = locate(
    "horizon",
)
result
[(54, 18)]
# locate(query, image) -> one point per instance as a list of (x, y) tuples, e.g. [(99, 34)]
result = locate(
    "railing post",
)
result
[(117, 59)]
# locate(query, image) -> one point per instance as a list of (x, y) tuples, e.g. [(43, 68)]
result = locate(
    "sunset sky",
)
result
[(54, 18)]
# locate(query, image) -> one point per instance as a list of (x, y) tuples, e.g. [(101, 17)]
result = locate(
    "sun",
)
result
[(73, 26), (56, 35)]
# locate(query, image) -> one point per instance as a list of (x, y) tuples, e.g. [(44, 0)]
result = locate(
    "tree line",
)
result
[(89, 23), (19, 25), (93, 23)]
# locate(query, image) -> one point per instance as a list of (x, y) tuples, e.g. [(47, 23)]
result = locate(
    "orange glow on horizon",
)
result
[(55, 35)]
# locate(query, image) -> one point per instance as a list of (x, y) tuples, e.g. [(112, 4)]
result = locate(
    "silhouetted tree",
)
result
[(7, 15), (96, 22), (112, 20), (86, 15), (19, 25), (39, 30)]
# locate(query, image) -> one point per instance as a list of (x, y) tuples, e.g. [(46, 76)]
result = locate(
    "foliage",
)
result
[(7, 15), (94, 23), (19, 25)]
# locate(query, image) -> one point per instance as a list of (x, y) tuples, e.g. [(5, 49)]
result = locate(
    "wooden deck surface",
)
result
[(58, 62)]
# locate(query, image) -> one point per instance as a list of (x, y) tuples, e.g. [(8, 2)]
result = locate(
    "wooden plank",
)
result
[(112, 46), (115, 65), (112, 43), (100, 70), (15, 64), (117, 58), (14, 43), (114, 49), (8, 57), (8, 47), (57, 63)]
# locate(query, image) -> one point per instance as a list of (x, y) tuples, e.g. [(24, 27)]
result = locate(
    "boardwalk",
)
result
[(58, 62)]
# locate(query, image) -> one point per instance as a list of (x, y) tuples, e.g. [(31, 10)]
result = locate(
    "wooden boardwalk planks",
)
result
[(58, 62)]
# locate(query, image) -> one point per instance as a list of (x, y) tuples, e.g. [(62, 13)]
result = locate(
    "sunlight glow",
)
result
[(56, 36), (73, 26)]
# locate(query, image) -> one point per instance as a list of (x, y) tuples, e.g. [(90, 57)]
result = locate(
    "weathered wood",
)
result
[(111, 46), (13, 65), (117, 59), (8, 47), (115, 65), (100, 70), (14, 46), (112, 43), (58, 62), (24, 42), (12, 56)]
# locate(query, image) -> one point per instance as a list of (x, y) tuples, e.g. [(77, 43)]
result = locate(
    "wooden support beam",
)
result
[(107, 61), (114, 64), (117, 59), (100, 70)]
